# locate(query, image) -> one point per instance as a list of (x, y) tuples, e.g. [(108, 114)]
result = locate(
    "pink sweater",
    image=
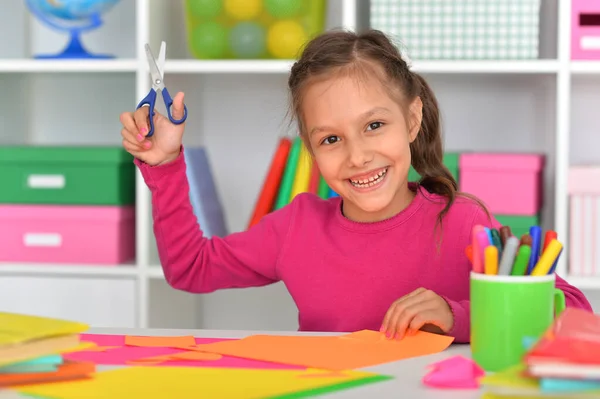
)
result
[(342, 275)]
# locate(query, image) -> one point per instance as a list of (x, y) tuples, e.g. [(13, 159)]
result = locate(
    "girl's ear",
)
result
[(416, 116)]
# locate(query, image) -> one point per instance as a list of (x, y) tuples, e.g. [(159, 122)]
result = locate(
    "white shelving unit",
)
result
[(237, 109)]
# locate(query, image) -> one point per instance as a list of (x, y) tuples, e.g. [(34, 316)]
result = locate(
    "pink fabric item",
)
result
[(121, 355), (456, 372), (585, 42), (342, 275)]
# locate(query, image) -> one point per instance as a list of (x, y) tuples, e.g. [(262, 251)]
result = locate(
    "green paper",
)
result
[(287, 181), (334, 388), (507, 309)]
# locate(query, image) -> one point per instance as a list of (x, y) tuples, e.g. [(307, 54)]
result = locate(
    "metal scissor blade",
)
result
[(155, 71), (162, 55)]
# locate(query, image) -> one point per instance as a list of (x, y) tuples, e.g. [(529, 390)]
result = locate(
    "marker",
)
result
[(553, 268), (536, 236), (496, 240), (549, 236), (483, 243), (520, 266), (526, 240), (504, 234), (508, 256), (545, 262), (469, 253), (491, 260), (477, 251), (488, 231)]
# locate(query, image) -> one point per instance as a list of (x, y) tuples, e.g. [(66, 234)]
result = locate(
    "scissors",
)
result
[(157, 73)]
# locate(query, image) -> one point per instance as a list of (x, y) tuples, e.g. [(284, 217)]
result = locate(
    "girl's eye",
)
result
[(330, 140), (374, 125)]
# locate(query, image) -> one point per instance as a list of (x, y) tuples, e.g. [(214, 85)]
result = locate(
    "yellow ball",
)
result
[(285, 38), (243, 10)]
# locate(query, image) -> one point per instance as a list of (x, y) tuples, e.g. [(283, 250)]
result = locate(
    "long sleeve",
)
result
[(574, 298), (194, 263)]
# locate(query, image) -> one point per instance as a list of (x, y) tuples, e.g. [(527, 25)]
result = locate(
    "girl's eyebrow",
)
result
[(362, 116)]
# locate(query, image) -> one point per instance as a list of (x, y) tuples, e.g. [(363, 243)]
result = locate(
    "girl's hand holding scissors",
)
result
[(165, 143)]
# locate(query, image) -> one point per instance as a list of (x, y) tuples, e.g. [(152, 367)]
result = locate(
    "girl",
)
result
[(385, 254)]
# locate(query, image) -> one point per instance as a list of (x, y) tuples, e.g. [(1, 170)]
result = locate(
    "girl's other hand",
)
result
[(165, 143), (422, 309)]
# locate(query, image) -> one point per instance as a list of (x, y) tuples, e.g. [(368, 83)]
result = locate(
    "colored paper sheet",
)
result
[(183, 382), (303, 172), (315, 176), (25, 328), (160, 342), (323, 188), (66, 371), (360, 349), (119, 354), (270, 187), (287, 180)]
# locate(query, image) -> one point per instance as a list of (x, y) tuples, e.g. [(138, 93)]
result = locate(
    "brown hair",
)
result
[(339, 51)]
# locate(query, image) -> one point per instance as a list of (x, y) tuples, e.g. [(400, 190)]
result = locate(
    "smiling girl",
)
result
[(386, 254)]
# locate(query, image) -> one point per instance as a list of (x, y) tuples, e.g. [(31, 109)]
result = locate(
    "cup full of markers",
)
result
[(512, 292)]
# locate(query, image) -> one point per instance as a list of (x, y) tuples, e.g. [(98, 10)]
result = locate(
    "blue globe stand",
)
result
[(74, 49)]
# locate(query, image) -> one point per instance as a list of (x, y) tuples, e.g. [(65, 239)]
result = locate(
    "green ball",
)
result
[(209, 40), (205, 8), (284, 8), (247, 40)]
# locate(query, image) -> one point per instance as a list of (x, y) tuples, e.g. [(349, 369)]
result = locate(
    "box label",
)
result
[(42, 239), (46, 181)]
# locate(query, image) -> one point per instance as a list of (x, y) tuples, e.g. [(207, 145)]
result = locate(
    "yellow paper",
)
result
[(303, 171), (19, 328), (198, 382)]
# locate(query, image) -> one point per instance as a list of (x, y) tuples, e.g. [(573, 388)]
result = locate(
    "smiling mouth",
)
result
[(370, 181)]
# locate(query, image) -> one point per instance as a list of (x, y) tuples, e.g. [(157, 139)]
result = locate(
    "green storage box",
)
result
[(451, 162), (519, 225), (74, 175)]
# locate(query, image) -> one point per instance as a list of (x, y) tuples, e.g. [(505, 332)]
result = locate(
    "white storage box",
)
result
[(464, 29)]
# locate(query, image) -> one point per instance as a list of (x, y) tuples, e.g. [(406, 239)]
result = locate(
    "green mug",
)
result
[(507, 309)]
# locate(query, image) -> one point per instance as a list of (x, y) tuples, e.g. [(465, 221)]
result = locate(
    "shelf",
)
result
[(58, 66), (228, 66), (585, 67), (126, 270), (584, 283), (485, 66), (155, 272)]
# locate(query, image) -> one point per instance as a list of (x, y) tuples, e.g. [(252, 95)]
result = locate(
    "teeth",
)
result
[(371, 181)]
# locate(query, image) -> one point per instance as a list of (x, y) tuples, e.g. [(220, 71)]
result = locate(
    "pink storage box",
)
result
[(585, 29), (584, 225), (508, 184), (102, 235)]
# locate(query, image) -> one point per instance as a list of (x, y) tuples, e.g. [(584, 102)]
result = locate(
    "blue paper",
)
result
[(203, 193), (553, 385), (37, 365)]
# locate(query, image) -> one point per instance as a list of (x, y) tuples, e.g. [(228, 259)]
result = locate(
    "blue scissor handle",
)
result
[(168, 103), (149, 100)]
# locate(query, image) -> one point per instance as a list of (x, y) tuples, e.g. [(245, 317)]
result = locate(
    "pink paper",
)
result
[(455, 372), (123, 354)]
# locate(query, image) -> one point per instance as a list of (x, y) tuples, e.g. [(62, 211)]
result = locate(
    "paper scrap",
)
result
[(67, 370), (127, 355), (179, 382), (160, 342), (361, 349), (455, 372)]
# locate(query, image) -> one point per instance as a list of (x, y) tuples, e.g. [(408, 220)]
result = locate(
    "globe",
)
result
[(73, 16)]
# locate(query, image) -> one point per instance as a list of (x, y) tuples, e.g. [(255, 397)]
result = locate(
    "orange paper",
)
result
[(188, 355), (66, 371), (160, 342), (360, 349)]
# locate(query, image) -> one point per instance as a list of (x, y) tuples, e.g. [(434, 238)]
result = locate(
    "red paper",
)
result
[(126, 355)]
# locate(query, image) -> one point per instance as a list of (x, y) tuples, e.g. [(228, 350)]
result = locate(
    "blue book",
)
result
[(203, 193)]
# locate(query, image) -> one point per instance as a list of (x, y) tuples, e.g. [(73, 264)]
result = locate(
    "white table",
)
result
[(407, 373)]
